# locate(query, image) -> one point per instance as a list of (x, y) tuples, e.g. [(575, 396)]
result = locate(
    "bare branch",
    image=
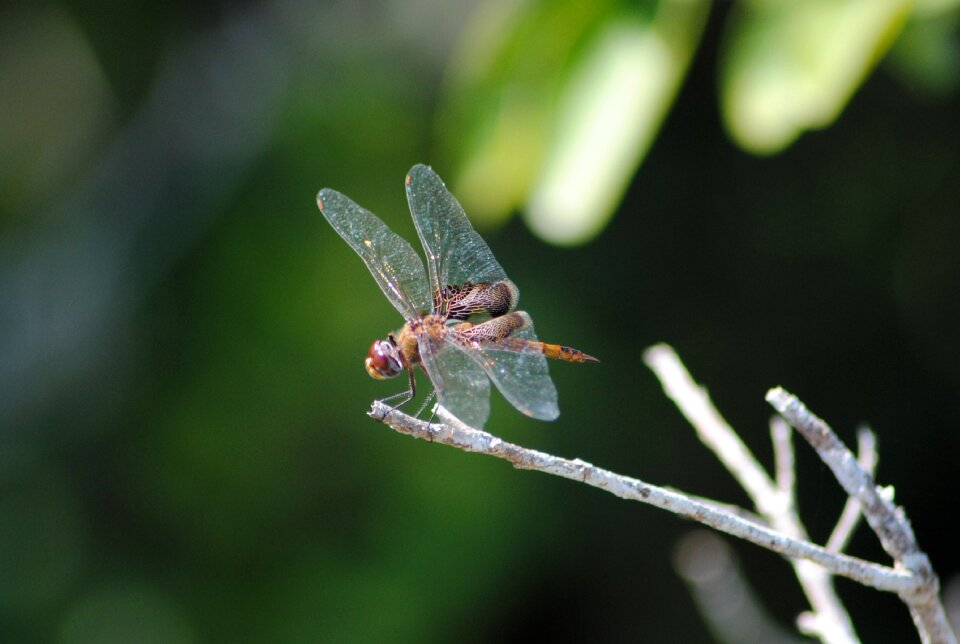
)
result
[(725, 599), (454, 433), (775, 501), (778, 528), (850, 517), (694, 403), (783, 458), (889, 522)]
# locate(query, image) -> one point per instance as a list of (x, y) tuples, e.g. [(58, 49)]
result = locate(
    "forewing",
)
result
[(456, 254), (391, 259), (462, 387), (518, 368)]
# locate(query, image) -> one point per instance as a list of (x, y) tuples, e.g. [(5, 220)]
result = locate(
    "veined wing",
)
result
[(456, 254), (391, 259), (462, 387), (515, 364)]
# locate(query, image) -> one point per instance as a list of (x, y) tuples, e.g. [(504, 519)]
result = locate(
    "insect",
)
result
[(460, 323)]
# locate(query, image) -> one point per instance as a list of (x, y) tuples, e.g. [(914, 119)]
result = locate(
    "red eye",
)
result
[(383, 360)]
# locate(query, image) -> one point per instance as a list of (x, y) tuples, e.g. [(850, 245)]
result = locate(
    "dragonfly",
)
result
[(460, 323)]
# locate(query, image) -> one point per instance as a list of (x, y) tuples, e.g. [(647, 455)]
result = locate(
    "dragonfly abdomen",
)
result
[(567, 354), (505, 332)]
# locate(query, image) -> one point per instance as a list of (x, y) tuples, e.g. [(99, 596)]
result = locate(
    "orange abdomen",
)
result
[(567, 354)]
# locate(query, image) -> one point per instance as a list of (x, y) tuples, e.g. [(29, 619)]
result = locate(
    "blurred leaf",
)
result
[(790, 66), (611, 110), (932, 8), (926, 56), (500, 101), (545, 97)]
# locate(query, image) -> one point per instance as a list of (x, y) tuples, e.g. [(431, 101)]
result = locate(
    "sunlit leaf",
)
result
[(791, 66), (553, 104), (500, 102), (610, 111)]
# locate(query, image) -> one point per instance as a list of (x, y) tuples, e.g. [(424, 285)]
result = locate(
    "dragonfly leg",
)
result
[(433, 414), (404, 396)]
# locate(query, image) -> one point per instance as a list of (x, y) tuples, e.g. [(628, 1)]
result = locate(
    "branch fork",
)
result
[(776, 524)]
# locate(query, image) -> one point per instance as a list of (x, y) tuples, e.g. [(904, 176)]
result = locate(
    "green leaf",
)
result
[(790, 66), (611, 109), (499, 101), (553, 104)]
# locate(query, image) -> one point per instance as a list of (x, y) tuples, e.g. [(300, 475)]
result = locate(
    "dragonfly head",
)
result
[(383, 360)]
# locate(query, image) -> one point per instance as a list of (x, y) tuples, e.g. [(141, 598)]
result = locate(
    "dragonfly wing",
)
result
[(456, 254), (461, 385), (516, 365), (391, 259)]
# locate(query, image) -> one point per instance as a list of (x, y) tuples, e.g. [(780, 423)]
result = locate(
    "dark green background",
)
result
[(184, 454)]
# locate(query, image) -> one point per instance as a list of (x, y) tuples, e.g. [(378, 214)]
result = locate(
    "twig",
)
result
[(712, 430), (727, 602), (454, 433), (912, 578), (890, 523), (850, 516), (775, 501), (783, 459)]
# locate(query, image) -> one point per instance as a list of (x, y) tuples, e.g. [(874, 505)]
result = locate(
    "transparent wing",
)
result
[(516, 365), (391, 259), (462, 387), (456, 254)]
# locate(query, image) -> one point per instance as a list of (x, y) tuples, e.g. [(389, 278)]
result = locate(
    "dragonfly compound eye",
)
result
[(383, 360)]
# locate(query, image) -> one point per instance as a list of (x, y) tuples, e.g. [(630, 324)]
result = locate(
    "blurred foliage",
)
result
[(792, 66), (183, 451), (45, 63), (545, 95)]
